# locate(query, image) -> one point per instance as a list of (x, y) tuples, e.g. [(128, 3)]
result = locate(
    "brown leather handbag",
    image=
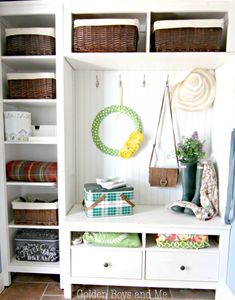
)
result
[(163, 177)]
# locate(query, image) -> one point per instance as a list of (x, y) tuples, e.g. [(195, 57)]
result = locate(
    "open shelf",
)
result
[(148, 61), (12, 225), (30, 102), (22, 183), (45, 63), (145, 217), (38, 141), (34, 267)]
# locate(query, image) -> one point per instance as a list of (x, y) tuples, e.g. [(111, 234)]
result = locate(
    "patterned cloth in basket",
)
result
[(100, 202), (185, 241), (33, 171)]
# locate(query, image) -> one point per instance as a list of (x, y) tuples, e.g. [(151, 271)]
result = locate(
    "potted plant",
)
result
[(189, 152)]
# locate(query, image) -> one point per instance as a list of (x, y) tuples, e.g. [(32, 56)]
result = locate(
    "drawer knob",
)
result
[(182, 268), (106, 265)]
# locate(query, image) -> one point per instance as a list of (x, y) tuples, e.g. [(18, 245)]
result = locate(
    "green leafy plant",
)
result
[(190, 149)]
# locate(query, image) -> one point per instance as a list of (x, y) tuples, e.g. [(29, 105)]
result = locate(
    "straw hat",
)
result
[(196, 92)]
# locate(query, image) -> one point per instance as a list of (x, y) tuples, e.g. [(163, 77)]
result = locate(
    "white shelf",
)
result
[(44, 141), (12, 225), (34, 267), (146, 219), (22, 183), (30, 102), (148, 61), (31, 63)]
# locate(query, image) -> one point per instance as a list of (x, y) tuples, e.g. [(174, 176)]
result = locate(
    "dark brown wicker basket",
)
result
[(30, 44), (35, 216), (105, 38), (188, 39), (43, 88)]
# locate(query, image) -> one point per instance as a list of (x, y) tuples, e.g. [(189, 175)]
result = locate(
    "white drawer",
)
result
[(189, 266), (106, 263)]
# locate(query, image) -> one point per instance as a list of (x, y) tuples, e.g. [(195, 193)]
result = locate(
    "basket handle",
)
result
[(100, 199), (127, 200)]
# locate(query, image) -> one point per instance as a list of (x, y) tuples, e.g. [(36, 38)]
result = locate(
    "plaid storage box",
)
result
[(31, 85), (100, 202), (37, 245), (30, 41), (188, 35), (105, 35), (33, 171)]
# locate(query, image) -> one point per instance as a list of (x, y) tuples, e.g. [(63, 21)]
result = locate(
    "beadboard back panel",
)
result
[(142, 91)]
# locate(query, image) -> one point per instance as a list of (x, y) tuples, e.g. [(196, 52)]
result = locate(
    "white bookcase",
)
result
[(79, 99), (43, 112)]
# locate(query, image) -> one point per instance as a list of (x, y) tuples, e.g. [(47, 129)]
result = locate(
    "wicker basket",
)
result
[(27, 213), (105, 35), (188, 35), (31, 85), (30, 41)]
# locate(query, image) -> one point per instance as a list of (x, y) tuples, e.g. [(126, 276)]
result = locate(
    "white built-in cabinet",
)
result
[(88, 82)]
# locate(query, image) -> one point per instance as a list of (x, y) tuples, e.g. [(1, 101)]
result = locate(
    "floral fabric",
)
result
[(185, 241)]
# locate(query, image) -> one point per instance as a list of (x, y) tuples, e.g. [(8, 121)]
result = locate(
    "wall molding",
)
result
[(1, 283)]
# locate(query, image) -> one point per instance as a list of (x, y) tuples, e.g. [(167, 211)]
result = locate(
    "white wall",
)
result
[(92, 163)]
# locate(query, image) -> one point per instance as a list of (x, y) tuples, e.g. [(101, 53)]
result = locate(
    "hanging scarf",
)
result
[(208, 195)]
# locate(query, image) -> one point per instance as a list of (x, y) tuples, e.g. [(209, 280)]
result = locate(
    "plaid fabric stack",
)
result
[(112, 204), (33, 171)]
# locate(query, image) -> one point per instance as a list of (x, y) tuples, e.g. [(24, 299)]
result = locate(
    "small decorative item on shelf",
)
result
[(36, 209), (101, 202), (135, 139), (188, 35), (105, 35), (30, 41), (17, 126), (31, 85), (37, 245), (112, 239), (43, 132), (31, 171), (185, 241), (189, 153)]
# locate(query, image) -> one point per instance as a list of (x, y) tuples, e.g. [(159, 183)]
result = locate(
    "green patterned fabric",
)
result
[(112, 239), (183, 244), (104, 113), (112, 205)]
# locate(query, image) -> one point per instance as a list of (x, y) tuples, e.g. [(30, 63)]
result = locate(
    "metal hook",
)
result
[(144, 81), (97, 84), (167, 80), (120, 81)]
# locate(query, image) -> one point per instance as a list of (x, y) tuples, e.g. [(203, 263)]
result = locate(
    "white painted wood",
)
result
[(31, 63), (223, 292), (30, 102), (21, 183), (148, 61), (34, 267), (167, 266), (12, 225), (1, 283), (146, 101), (146, 218), (105, 263)]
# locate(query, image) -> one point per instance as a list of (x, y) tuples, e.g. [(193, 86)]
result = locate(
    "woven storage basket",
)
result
[(105, 35), (31, 85), (30, 41), (35, 213), (188, 35)]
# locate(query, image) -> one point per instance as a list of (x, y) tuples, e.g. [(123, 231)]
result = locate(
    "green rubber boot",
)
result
[(188, 175), (196, 197)]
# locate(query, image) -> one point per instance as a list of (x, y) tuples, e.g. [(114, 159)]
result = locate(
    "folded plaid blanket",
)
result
[(33, 171)]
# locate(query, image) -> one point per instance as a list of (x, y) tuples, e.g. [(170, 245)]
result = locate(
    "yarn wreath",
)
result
[(134, 140)]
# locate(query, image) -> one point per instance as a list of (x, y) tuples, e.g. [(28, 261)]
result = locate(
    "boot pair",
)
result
[(191, 174)]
